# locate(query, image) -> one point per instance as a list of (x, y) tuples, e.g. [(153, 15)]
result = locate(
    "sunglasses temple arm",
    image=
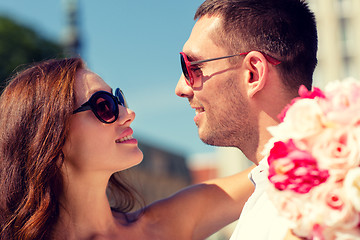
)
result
[(213, 59)]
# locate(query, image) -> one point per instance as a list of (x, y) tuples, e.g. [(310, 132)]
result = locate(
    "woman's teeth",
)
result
[(124, 139)]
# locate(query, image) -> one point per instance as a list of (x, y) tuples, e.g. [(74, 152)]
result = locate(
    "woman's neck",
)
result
[(85, 212)]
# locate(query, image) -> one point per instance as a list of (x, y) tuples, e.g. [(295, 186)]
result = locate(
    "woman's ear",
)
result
[(257, 67)]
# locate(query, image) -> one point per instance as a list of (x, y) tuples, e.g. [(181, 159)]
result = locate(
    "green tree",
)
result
[(20, 45)]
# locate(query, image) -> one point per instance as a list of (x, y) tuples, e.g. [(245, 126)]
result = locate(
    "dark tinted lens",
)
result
[(184, 68), (105, 108)]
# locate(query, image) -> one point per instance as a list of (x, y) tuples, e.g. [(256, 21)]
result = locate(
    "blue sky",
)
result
[(133, 45)]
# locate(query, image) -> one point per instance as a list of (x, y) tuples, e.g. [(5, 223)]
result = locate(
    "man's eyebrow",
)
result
[(193, 57)]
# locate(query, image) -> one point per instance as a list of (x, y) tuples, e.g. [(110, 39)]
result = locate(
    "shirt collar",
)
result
[(259, 174)]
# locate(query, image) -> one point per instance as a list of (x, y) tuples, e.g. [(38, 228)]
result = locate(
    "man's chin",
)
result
[(212, 140), (209, 140), (211, 143)]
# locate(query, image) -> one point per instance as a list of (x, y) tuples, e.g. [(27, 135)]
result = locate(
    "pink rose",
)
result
[(304, 119), (337, 149), (303, 93), (342, 103), (348, 90), (332, 208), (315, 93), (314, 162), (293, 169), (325, 212)]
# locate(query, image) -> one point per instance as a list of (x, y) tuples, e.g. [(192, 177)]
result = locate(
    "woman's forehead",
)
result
[(87, 82)]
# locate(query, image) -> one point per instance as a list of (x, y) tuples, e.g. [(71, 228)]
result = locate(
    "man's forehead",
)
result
[(200, 40), (208, 23)]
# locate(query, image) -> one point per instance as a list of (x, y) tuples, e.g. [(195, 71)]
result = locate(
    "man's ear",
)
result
[(256, 66)]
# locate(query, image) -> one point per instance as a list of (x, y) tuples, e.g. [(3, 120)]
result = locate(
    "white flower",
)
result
[(303, 119), (352, 187)]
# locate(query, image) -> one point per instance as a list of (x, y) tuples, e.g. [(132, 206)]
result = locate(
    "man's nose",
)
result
[(183, 89)]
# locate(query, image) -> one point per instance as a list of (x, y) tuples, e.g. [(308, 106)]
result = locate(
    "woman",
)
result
[(63, 136)]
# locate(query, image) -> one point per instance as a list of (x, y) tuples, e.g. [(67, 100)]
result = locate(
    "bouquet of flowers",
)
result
[(314, 162)]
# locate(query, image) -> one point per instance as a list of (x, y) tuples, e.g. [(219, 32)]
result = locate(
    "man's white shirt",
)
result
[(259, 219)]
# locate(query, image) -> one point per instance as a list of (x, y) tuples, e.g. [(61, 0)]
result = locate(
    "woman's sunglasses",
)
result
[(104, 105), (186, 66)]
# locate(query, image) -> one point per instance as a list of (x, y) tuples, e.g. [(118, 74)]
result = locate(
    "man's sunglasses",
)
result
[(188, 72), (104, 105)]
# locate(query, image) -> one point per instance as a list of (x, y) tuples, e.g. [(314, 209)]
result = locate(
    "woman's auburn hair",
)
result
[(35, 110)]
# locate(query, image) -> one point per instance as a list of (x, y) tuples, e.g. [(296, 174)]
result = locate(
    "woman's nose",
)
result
[(126, 115)]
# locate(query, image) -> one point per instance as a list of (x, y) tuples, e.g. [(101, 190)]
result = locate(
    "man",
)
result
[(243, 62)]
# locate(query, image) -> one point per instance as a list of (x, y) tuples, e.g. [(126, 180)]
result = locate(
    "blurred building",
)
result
[(160, 174), (338, 23), (223, 162), (71, 36), (203, 166)]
